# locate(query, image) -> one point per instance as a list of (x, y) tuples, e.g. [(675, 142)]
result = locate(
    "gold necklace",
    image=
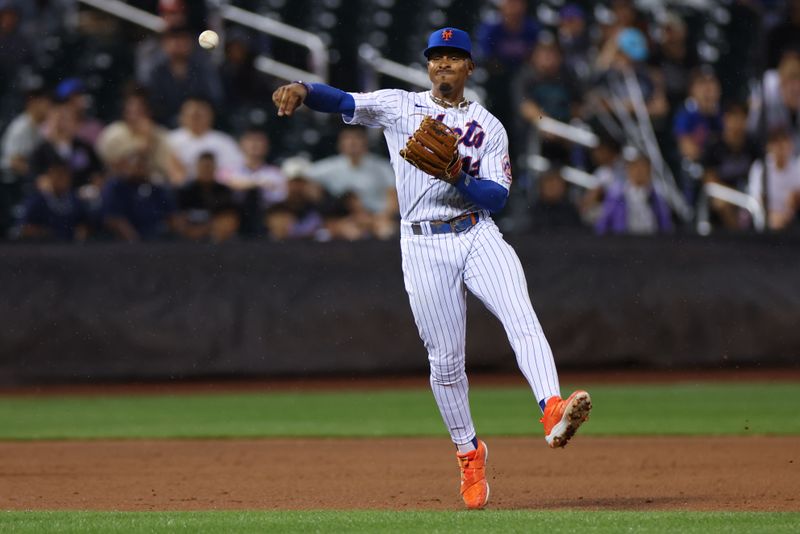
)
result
[(463, 103)]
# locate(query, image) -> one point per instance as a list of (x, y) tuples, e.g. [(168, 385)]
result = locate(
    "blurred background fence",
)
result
[(169, 311)]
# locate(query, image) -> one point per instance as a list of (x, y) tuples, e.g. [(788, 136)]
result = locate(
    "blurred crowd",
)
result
[(164, 146)]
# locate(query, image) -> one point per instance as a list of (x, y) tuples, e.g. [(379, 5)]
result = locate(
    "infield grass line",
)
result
[(591, 522), (619, 410)]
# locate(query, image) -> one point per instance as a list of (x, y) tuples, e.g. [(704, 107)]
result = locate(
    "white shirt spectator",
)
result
[(20, 138), (370, 180), (188, 147), (782, 183), (268, 179)]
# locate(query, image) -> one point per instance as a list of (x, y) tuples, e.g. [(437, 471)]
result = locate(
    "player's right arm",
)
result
[(317, 96), (378, 109)]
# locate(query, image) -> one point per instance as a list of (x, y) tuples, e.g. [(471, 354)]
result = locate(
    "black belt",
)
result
[(453, 226)]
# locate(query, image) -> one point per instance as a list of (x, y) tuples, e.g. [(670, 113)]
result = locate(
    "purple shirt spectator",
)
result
[(616, 217)]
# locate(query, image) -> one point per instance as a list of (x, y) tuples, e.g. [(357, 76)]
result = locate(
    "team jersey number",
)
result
[(473, 168)]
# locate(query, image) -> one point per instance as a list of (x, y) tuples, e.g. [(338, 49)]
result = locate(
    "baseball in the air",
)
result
[(208, 39)]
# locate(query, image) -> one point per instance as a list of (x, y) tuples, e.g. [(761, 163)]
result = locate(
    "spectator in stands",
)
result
[(53, 210), (72, 93), (675, 57), (16, 51), (547, 89), (196, 136), (299, 216), (728, 161), (355, 171), (779, 108), (137, 131), (573, 36), (553, 210), (134, 207), (255, 172), (257, 185), (609, 169), (243, 84), (504, 44), (783, 180), (785, 36), (621, 56), (206, 206), (61, 140), (625, 15), (699, 123), (24, 134), (183, 71), (635, 206)]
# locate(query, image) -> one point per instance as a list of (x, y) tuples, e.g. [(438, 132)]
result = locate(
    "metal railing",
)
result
[(131, 14), (569, 174), (566, 131), (318, 52), (736, 198), (380, 65)]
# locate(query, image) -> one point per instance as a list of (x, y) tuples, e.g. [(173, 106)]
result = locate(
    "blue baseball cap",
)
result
[(68, 88), (449, 38), (571, 11), (632, 43)]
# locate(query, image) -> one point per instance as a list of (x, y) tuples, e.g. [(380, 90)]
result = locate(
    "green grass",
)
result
[(683, 409), (373, 521)]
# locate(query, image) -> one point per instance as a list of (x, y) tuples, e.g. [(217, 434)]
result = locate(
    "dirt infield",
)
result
[(652, 473)]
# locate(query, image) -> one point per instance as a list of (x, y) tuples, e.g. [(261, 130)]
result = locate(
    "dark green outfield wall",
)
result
[(113, 311)]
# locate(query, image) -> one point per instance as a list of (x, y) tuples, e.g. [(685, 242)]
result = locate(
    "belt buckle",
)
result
[(462, 223)]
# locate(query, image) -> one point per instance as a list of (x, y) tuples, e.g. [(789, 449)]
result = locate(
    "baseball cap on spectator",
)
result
[(296, 167), (630, 154), (632, 43), (571, 11), (69, 88)]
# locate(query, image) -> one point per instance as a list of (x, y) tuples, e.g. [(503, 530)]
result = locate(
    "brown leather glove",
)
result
[(434, 150)]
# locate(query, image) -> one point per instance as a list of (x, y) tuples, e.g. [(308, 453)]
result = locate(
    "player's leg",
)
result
[(494, 274), (432, 270), (432, 276)]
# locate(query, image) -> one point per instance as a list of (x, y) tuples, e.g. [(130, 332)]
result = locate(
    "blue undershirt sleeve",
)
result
[(329, 99), (487, 194)]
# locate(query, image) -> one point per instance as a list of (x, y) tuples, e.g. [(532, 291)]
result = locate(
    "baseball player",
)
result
[(450, 159)]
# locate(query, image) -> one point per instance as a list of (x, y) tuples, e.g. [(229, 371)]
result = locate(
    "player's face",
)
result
[(449, 68)]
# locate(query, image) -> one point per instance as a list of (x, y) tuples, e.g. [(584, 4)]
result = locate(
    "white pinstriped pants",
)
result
[(438, 270)]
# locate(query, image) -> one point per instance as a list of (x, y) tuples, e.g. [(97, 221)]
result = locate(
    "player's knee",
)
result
[(447, 375)]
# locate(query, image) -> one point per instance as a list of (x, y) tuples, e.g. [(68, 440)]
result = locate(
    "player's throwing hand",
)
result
[(288, 98)]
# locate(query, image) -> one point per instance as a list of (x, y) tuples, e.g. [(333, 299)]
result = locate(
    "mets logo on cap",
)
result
[(449, 38)]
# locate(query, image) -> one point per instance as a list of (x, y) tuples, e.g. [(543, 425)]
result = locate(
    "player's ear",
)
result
[(471, 67)]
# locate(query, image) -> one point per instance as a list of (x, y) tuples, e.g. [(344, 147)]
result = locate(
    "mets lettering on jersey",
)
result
[(483, 146)]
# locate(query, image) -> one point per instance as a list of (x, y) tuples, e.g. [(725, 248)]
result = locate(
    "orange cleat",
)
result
[(474, 488), (562, 418)]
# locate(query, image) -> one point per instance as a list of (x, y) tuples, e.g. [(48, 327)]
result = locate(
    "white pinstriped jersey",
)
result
[(483, 147)]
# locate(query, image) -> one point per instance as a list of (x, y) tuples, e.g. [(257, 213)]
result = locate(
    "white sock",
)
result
[(466, 447)]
